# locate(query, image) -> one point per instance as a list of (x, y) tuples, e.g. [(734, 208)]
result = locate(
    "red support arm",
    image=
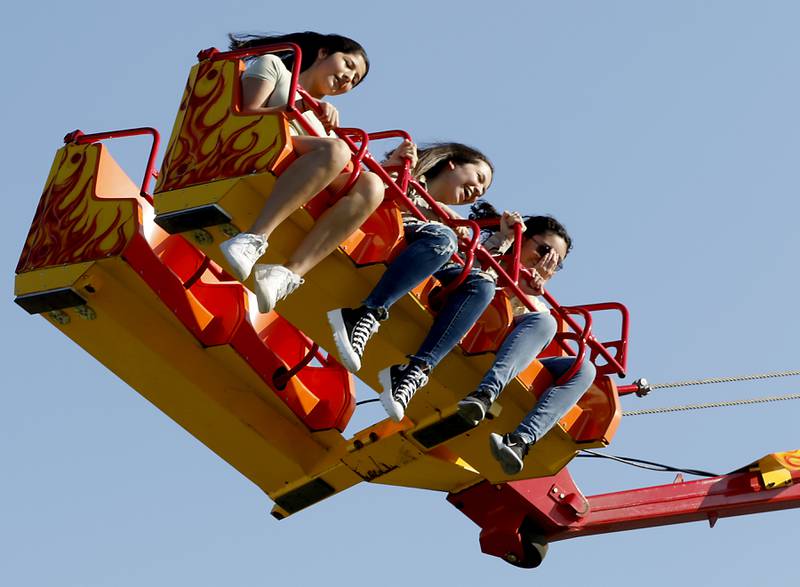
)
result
[(553, 508)]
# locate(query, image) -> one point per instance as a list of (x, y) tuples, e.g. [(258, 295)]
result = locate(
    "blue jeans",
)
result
[(430, 246), (532, 332), (461, 310)]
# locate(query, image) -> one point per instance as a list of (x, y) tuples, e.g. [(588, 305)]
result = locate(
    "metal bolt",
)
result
[(643, 387), (86, 312), (561, 496), (59, 317), (202, 237), (229, 230)]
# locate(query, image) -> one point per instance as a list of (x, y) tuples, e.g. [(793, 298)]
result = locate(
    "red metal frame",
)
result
[(78, 137), (553, 508), (397, 191)]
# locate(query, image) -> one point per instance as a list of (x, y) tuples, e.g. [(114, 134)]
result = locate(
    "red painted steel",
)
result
[(553, 508), (150, 172), (737, 494), (396, 192)]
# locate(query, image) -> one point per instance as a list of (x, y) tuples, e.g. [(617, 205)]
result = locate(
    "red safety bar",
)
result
[(77, 136), (397, 191)]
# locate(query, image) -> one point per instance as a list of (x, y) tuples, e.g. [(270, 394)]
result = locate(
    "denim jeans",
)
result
[(461, 310), (430, 246), (532, 332)]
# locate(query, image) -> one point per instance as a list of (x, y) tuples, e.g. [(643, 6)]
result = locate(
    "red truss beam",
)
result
[(553, 508)]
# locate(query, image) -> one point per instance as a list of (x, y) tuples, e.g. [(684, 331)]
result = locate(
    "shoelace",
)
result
[(366, 326), (288, 285), (484, 397), (413, 379), (254, 247)]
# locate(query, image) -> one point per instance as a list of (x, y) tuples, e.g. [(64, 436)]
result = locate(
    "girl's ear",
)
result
[(322, 54), (451, 165)]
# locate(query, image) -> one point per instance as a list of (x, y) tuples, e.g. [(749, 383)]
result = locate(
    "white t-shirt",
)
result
[(270, 68)]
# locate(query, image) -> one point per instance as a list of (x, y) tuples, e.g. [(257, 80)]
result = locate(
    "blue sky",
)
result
[(664, 135)]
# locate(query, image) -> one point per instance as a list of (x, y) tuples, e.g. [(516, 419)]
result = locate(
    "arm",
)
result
[(255, 92), (501, 241), (266, 75)]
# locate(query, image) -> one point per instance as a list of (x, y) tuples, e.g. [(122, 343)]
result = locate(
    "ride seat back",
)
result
[(211, 139)]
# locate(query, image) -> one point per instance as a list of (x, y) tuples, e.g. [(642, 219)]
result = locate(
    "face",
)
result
[(537, 246), (335, 73), (460, 183)]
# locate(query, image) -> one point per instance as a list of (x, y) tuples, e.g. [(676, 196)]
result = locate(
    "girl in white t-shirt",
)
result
[(331, 65)]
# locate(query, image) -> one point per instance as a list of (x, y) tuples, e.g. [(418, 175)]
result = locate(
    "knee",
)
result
[(442, 237), (548, 323), (483, 287), (336, 152), (370, 188), (587, 372), (448, 236), (543, 321)]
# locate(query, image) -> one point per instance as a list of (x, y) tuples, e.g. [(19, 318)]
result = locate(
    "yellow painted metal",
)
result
[(50, 278), (217, 157), (191, 178), (211, 392), (337, 282), (776, 469)]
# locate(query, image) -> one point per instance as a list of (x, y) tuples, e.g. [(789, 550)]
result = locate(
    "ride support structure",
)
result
[(138, 280)]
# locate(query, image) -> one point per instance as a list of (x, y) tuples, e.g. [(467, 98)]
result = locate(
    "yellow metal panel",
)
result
[(49, 278), (776, 469), (327, 288), (135, 336)]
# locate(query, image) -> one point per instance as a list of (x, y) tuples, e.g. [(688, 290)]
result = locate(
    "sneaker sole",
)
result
[(388, 403), (509, 461), (350, 360), (265, 305)]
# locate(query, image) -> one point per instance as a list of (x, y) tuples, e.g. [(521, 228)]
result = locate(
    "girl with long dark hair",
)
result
[(331, 65), (453, 174), (545, 247)]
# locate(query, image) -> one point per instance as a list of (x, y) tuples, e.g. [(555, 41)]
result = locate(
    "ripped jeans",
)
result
[(532, 332), (430, 246)]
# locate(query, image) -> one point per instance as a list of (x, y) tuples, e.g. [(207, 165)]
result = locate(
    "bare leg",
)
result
[(321, 160), (338, 222)]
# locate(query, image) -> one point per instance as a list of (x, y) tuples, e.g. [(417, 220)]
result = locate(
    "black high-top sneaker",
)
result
[(352, 329), (475, 406), (509, 450), (400, 383)]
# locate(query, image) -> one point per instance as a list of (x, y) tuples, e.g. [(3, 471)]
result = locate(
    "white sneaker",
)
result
[(242, 252), (273, 283)]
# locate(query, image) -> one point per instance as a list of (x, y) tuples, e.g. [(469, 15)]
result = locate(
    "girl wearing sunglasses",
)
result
[(545, 246)]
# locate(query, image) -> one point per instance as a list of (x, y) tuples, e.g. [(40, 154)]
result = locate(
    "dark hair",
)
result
[(434, 157), (483, 210), (542, 225), (309, 42)]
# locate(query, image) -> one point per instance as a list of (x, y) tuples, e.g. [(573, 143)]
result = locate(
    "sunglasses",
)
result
[(543, 248)]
